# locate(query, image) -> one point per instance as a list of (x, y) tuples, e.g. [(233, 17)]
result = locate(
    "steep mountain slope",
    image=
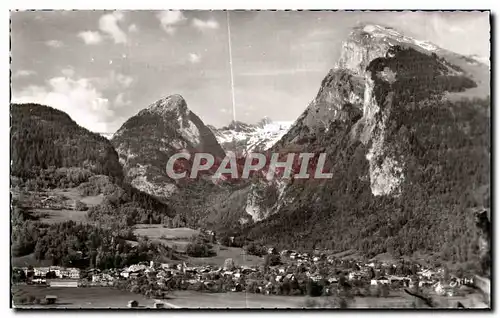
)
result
[(406, 129), (42, 136), (49, 150), (244, 138), (147, 140)]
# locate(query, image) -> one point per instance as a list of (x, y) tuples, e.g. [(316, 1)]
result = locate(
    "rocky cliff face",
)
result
[(399, 120), (378, 69), (146, 141)]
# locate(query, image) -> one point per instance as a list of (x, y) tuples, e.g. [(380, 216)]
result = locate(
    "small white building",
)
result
[(63, 283), (74, 273), (380, 281), (41, 271), (125, 274)]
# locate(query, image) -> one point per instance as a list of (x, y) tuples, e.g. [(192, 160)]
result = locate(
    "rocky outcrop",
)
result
[(397, 142), (379, 71), (146, 141)]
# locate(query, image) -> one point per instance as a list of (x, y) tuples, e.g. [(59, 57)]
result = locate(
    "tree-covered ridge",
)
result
[(447, 154), (79, 245), (43, 137)]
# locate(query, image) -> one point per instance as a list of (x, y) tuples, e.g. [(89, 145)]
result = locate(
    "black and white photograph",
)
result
[(250, 159)]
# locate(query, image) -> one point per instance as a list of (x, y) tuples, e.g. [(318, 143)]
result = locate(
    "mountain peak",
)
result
[(170, 103), (387, 36), (264, 121)]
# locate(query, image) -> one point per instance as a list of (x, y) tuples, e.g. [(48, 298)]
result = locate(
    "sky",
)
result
[(102, 67)]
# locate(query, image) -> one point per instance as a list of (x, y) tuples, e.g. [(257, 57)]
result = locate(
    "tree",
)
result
[(18, 275), (313, 289), (255, 249), (229, 264), (80, 206), (226, 241), (371, 273)]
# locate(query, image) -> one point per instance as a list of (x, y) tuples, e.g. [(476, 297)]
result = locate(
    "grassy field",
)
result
[(68, 199), (73, 194), (58, 216), (177, 237), (104, 297), (181, 237), (237, 254), (87, 297), (157, 230), (189, 299), (29, 259)]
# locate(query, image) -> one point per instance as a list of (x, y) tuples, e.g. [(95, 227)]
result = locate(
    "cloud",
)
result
[(279, 72), (223, 110), (120, 100), (124, 80), (82, 101), (68, 72), (90, 37), (24, 73), (194, 58), (201, 25), (114, 80), (168, 20), (54, 43), (133, 28), (108, 24)]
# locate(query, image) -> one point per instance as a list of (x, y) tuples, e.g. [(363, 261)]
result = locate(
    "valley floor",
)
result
[(109, 298)]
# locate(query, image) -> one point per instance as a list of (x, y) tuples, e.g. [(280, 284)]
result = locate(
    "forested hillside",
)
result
[(43, 137)]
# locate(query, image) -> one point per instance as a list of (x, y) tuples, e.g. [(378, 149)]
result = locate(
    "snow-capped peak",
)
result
[(379, 31), (252, 138)]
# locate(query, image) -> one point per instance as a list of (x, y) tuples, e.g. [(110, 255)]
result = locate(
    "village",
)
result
[(288, 273)]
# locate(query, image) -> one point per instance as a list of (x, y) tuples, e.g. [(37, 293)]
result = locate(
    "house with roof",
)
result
[(51, 299), (41, 271), (159, 305), (285, 253), (271, 250), (380, 281), (74, 273), (39, 281), (237, 287), (354, 276), (63, 283), (133, 304)]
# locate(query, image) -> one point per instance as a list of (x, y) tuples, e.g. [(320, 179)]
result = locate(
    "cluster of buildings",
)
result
[(52, 272), (55, 276), (295, 268)]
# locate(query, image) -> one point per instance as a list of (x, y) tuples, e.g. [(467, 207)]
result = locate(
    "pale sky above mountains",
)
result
[(104, 67)]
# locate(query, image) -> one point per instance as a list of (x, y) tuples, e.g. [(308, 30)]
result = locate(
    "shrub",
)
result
[(198, 249), (255, 249), (313, 289), (80, 206)]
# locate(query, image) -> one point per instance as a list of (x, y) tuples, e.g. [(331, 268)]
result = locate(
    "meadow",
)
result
[(84, 297)]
